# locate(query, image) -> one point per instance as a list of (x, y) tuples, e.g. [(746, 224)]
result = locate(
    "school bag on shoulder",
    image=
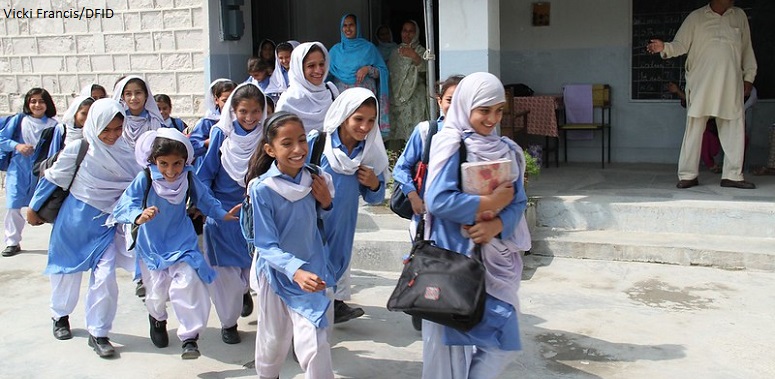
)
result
[(246, 210), (41, 150), (9, 128), (50, 209), (147, 171), (399, 203)]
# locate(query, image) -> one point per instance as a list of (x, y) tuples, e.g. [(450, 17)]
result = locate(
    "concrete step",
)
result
[(649, 214), (730, 252)]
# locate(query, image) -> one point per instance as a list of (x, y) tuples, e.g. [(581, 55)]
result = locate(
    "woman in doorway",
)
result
[(408, 90)]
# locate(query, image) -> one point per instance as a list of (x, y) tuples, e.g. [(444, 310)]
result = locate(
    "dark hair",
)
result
[(51, 109), (137, 81), (248, 92), (162, 98), (260, 161), (269, 104), (315, 47), (261, 46), (451, 81), (257, 64), (86, 103), (369, 102), (97, 87), (165, 146), (283, 46), (223, 86)]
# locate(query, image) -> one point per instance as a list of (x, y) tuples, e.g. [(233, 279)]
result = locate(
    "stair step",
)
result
[(731, 252)]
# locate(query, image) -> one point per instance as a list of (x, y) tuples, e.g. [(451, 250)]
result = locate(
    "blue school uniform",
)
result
[(341, 233), (177, 123), (409, 158), (169, 237), (78, 242), (287, 239), (200, 134), (451, 208), (224, 242), (20, 182)]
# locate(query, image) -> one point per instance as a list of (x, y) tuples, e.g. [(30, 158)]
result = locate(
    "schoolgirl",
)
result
[(308, 96), (164, 103), (232, 142), (355, 157), (84, 238), (166, 241), (278, 81), (458, 220), (142, 113), (95, 91), (292, 268), (215, 99), (19, 138)]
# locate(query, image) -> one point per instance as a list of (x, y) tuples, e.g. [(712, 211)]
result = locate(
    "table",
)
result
[(542, 118)]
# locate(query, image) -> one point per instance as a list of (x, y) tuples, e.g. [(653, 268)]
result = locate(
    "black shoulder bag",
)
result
[(440, 285), (50, 209)]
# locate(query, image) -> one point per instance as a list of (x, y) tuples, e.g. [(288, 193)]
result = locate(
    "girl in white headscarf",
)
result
[(142, 113), (354, 155), (94, 90), (215, 99), (308, 95), (84, 238), (279, 81), (166, 240), (75, 118), (232, 142), (19, 145), (458, 220)]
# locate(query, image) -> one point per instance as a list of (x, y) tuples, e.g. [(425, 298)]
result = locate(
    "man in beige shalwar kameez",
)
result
[(720, 70)]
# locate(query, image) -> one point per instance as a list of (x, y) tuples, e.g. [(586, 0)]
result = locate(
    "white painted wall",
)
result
[(469, 36)]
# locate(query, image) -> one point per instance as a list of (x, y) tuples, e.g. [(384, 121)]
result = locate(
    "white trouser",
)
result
[(14, 224), (343, 285), (731, 133), (101, 296), (277, 326), (187, 293), (226, 291)]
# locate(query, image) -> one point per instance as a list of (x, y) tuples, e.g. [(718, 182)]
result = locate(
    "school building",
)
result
[(179, 46)]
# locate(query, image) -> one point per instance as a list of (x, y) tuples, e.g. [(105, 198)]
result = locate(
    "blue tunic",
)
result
[(169, 237), (19, 181), (200, 134), (287, 239), (452, 208), (340, 234), (224, 243)]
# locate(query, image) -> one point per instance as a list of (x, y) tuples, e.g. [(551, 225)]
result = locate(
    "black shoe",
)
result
[(247, 304), (684, 184), (230, 335), (190, 349), (11, 250), (724, 183), (140, 289), (159, 335), (62, 328), (417, 323), (343, 312), (102, 346)]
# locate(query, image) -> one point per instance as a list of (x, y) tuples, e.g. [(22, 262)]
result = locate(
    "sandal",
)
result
[(716, 169), (764, 171)]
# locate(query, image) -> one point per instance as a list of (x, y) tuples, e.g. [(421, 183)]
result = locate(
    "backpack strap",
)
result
[(78, 160), (316, 170), (317, 149), (433, 127), (147, 172)]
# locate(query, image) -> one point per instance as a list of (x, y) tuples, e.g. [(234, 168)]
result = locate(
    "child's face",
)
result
[(220, 101), (360, 123), (258, 75), (134, 96), (248, 113), (164, 109), (289, 147), (98, 94), (445, 100), (80, 116), (37, 106), (170, 166), (267, 52), (484, 119), (285, 59), (112, 132), (314, 67)]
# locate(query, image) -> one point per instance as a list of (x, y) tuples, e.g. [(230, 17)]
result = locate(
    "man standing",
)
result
[(720, 70)]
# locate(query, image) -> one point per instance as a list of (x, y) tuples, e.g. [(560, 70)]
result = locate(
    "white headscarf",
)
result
[(106, 170), (373, 153), (211, 109), (501, 257), (236, 149), (304, 99), (73, 133), (33, 127), (277, 81), (175, 191), (134, 126)]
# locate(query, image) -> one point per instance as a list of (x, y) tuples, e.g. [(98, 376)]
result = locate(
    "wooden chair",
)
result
[(601, 100)]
